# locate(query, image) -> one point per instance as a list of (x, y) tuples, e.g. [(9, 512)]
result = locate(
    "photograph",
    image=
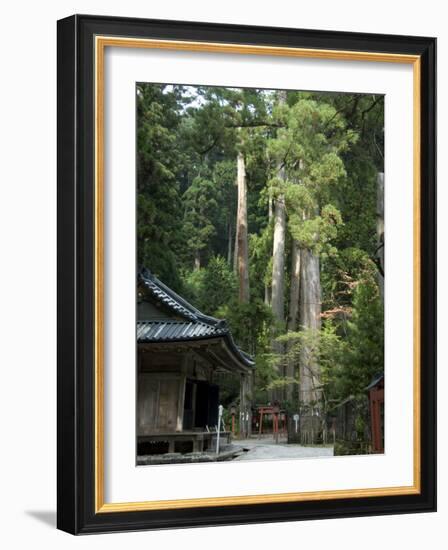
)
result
[(260, 274), (228, 305)]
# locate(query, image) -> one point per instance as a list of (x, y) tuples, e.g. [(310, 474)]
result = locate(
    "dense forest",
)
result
[(263, 207)]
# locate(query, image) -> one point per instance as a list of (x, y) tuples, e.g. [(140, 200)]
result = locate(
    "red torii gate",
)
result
[(277, 415)]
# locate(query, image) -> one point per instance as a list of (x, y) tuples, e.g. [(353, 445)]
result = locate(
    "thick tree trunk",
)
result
[(278, 282), (241, 267), (267, 287), (270, 210), (267, 295), (278, 260), (310, 319), (380, 230), (229, 243), (278, 268), (293, 317), (294, 291), (197, 260), (242, 252), (278, 256), (235, 250)]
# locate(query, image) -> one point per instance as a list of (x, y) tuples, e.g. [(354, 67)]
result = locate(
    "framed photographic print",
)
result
[(246, 274)]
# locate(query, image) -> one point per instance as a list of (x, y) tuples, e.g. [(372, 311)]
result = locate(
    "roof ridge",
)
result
[(180, 304), (216, 328), (212, 325)]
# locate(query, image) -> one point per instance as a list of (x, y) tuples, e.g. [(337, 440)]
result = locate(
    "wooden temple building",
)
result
[(181, 352)]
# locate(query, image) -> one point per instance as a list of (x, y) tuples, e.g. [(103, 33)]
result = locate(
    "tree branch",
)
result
[(255, 125)]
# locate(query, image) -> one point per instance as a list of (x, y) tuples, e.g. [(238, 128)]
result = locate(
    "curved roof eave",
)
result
[(181, 307)]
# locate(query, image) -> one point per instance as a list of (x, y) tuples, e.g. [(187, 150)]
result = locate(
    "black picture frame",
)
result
[(76, 276)]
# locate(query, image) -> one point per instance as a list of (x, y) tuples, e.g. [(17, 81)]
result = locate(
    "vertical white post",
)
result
[(296, 420), (220, 409)]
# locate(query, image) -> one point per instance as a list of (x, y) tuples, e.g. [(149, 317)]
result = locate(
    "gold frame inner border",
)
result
[(101, 42)]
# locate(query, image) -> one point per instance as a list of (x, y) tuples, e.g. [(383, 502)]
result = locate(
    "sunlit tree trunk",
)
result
[(241, 224), (310, 320), (278, 266), (242, 269), (278, 260), (293, 316), (278, 284), (235, 250), (267, 295), (267, 287), (197, 260)]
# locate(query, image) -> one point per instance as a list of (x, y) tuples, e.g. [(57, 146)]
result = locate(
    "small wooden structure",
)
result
[(376, 401), (180, 353), (341, 423)]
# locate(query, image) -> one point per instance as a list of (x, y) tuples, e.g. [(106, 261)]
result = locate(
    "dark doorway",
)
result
[(213, 404), (188, 421), (201, 416), (207, 402)]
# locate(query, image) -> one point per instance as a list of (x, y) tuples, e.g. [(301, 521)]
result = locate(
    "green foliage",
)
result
[(260, 261), (200, 209), (224, 177), (309, 146), (318, 232), (356, 197), (345, 448), (324, 348), (158, 199), (339, 276), (212, 287), (363, 337), (250, 324), (365, 357)]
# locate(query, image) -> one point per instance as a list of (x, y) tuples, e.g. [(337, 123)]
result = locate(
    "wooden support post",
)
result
[(275, 426), (180, 403), (275, 415)]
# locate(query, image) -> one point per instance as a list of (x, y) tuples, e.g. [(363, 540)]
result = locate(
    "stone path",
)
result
[(266, 449)]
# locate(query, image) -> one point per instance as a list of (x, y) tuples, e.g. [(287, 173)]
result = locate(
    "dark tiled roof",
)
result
[(173, 301), (168, 299), (159, 331), (196, 325)]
